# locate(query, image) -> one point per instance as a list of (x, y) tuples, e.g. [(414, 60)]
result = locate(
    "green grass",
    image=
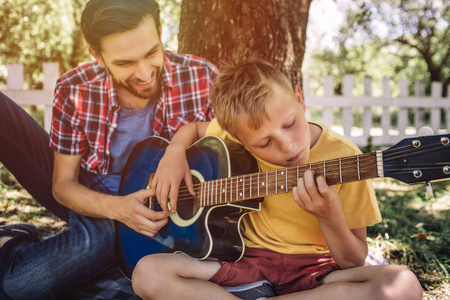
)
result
[(415, 230)]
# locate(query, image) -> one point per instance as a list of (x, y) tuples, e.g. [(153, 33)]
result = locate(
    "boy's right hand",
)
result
[(172, 169)]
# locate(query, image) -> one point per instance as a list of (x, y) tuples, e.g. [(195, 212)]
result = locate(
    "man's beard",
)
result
[(152, 92)]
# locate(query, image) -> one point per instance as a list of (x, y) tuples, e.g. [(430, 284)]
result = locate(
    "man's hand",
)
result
[(133, 213)]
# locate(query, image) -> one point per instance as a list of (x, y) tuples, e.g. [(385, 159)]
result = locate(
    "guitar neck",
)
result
[(280, 181)]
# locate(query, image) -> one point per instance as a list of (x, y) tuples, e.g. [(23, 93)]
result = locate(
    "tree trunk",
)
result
[(220, 30)]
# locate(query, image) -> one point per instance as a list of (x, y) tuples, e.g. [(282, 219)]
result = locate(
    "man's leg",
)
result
[(31, 269), (25, 152), (46, 269)]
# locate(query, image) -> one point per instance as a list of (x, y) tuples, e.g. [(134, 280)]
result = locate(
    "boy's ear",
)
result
[(299, 94), (97, 57)]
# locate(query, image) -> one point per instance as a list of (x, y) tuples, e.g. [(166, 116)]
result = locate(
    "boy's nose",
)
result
[(286, 146)]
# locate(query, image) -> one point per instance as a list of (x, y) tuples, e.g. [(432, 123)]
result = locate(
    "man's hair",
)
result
[(242, 90), (102, 18)]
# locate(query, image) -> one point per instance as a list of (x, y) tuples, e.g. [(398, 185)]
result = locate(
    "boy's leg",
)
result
[(177, 276), (369, 282)]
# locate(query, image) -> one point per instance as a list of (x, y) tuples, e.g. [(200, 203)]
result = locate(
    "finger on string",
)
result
[(322, 184), (189, 183), (302, 193), (174, 197), (161, 195)]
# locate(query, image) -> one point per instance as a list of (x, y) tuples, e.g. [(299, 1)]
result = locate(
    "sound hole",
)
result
[(187, 204)]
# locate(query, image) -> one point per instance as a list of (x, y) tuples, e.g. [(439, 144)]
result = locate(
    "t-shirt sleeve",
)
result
[(215, 129)]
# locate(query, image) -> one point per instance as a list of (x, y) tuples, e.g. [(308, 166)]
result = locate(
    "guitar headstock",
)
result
[(419, 159)]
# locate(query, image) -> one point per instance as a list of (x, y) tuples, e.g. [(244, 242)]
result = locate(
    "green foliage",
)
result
[(170, 19), (415, 229), (396, 39), (38, 31)]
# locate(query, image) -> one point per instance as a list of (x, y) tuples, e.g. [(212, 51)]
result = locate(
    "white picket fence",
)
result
[(364, 134), (15, 91), (387, 133)]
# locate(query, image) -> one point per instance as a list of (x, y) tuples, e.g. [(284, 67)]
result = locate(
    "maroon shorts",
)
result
[(288, 273)]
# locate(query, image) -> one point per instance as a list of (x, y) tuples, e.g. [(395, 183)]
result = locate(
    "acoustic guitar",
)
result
[(228, 185)]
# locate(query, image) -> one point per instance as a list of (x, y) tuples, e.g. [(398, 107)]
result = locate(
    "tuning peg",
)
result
[(424, 131), (429, 189)]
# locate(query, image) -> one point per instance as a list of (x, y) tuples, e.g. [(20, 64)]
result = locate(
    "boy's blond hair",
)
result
[(242, 91)]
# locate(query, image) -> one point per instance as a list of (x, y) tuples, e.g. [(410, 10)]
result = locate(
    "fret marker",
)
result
[(243, 186), (287, 179), (222, 191), (357, 161), (380, 166), (258, 184), (276, 183), (251, 187)]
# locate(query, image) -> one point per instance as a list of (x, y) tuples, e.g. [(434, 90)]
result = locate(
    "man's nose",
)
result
[(144, 71)]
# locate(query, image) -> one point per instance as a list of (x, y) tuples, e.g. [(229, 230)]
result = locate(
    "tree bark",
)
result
[(220, 30)]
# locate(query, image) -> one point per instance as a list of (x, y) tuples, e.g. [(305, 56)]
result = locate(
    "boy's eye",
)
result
[(290, 125), (265, 145)]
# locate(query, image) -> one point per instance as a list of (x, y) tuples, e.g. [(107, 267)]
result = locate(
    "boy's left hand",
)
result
[(316, 197)]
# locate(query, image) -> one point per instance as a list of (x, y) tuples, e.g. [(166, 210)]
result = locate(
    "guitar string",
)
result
[(231, 181), (364, 158), (247, 185), (319, 164)]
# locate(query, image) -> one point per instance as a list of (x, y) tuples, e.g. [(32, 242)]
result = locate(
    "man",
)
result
[(133, 90)]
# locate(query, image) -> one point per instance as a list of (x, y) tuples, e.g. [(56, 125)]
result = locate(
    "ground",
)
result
[(424, 248)]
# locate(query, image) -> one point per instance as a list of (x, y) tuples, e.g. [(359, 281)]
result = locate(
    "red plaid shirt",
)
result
[(85, 107)]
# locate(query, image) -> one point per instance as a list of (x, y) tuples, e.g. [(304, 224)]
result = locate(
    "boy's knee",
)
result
[(398, 282), (148, 276)]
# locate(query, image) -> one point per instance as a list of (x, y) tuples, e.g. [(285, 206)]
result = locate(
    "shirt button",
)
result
[(114, 125), (107, 152)]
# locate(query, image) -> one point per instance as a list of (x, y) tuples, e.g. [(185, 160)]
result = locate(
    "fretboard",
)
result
[(279, 181)]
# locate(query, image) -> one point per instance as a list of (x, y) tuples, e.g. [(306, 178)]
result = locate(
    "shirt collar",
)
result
[(167, 81), (109, 85)]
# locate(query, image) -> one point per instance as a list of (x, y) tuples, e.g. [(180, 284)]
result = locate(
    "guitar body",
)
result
[(203, 233)]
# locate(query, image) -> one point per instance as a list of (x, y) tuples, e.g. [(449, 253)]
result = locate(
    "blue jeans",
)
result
[(48, 268)]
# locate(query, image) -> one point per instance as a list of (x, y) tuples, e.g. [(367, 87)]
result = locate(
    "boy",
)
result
[(312, 246)]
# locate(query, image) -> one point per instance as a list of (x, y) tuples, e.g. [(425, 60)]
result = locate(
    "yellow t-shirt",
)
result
[(282, 226)]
